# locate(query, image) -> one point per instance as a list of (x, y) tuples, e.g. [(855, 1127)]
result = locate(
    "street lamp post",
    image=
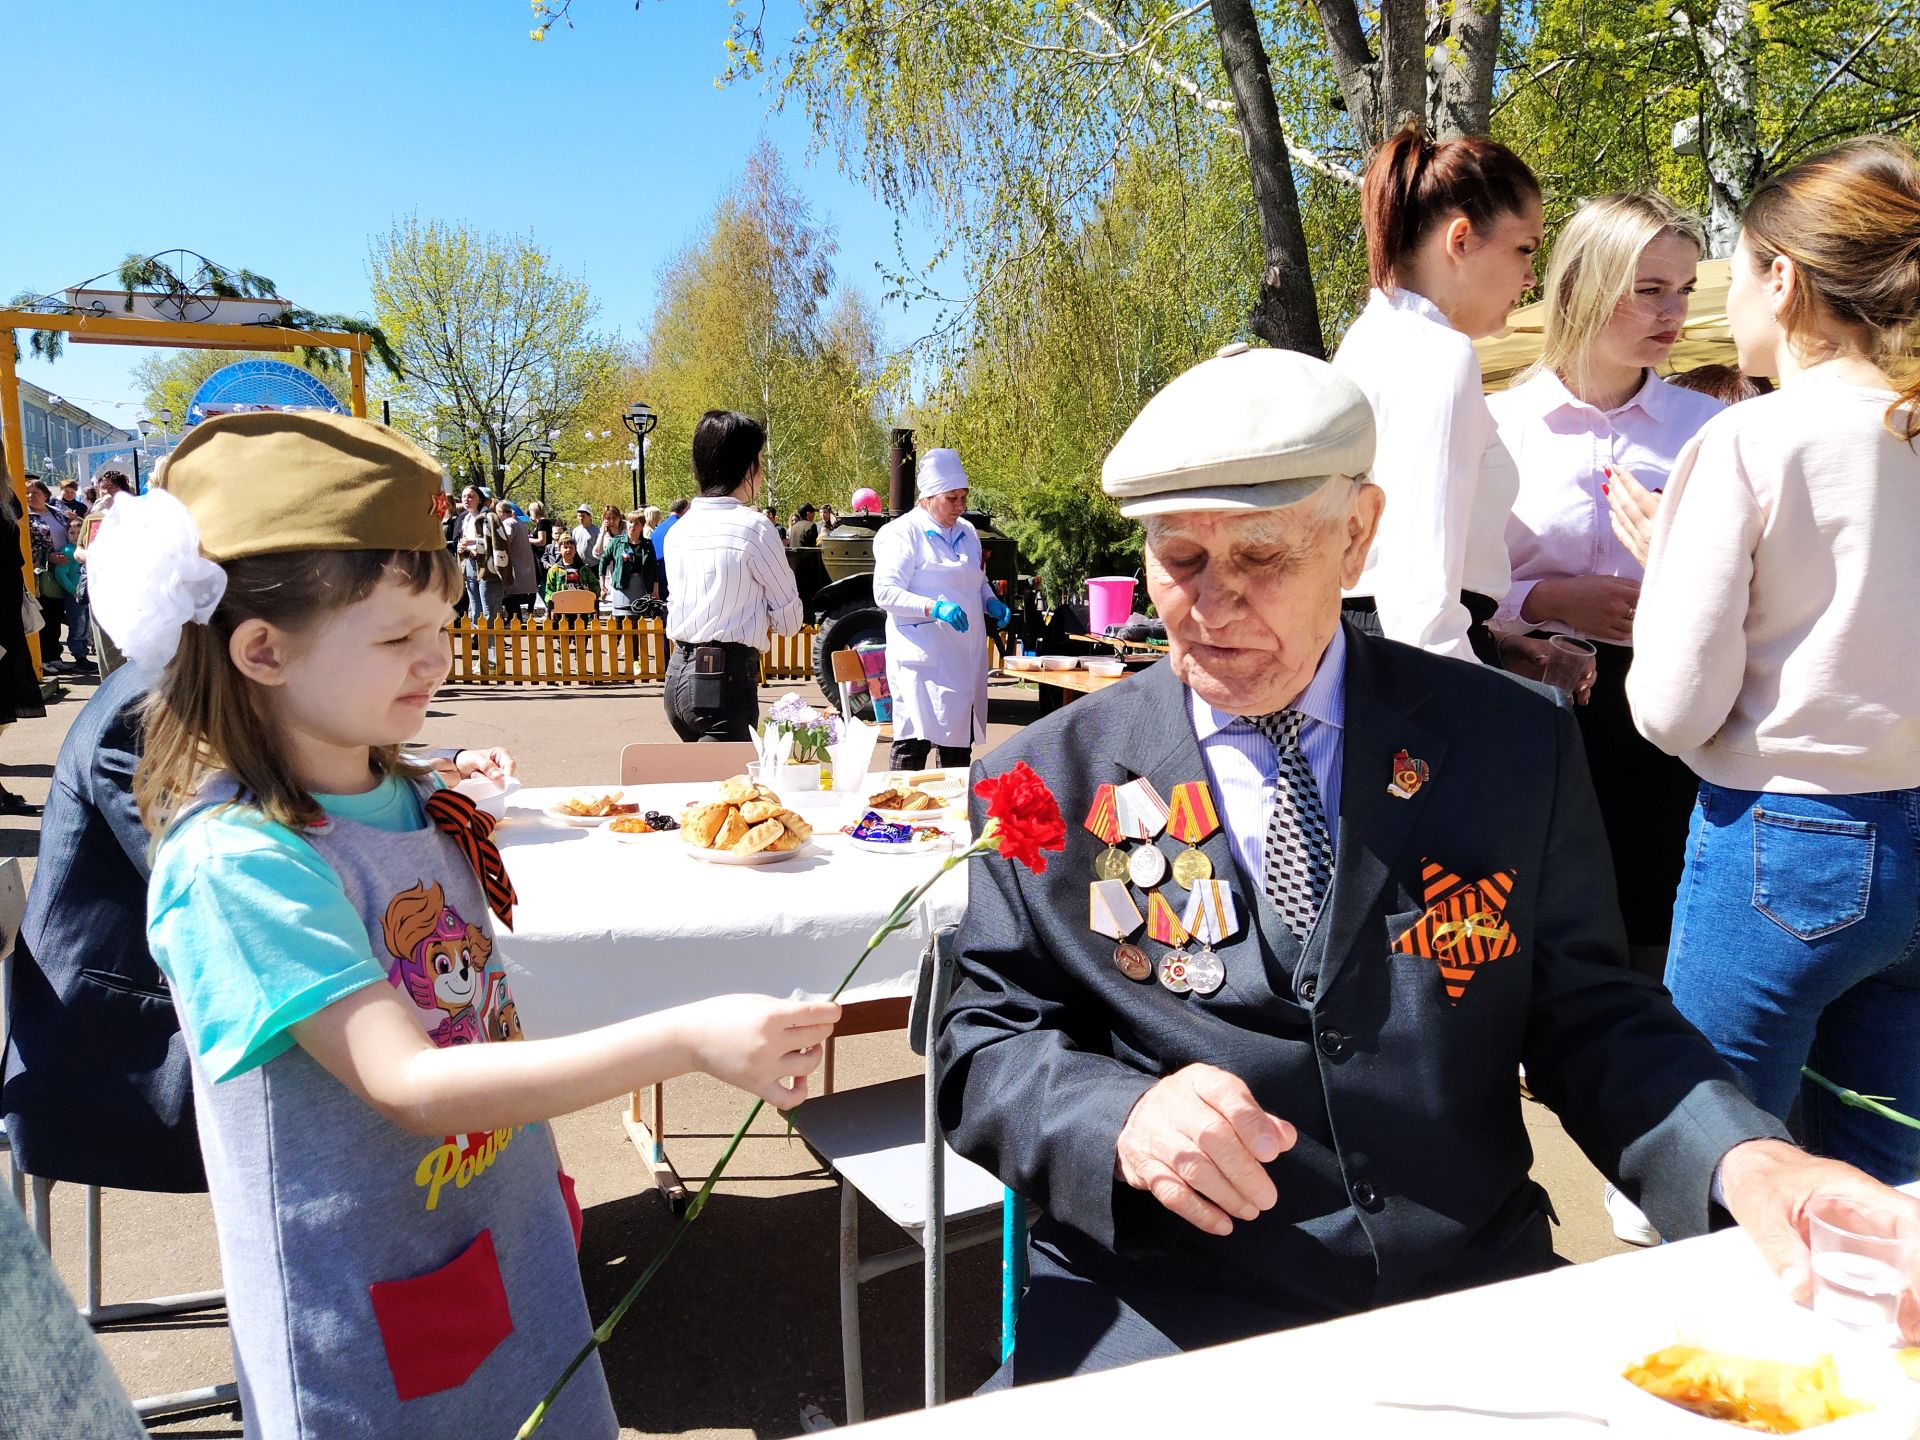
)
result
[(639, 420), (543, 453), (146, 433)]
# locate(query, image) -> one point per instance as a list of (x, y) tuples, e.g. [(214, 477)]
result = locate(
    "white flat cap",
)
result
[(1247, 430)]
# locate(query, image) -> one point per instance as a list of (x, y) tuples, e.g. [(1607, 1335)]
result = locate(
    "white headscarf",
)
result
[(939, 471)]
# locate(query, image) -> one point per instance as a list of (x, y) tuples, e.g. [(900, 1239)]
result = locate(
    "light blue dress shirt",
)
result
[(1244, 767)]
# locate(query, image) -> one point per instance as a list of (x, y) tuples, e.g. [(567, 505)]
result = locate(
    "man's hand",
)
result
[(1198, 1142), (1767, 1185)]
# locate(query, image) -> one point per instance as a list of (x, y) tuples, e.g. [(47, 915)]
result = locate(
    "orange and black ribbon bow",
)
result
[(472, 830)]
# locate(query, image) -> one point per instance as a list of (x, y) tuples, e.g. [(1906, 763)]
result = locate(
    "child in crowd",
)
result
[(396, 1233)]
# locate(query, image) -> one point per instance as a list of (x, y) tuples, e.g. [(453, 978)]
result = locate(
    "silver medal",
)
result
[(1147, 867), (1206, 972)]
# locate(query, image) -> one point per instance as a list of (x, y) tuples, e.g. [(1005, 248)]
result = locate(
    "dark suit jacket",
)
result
[(97, 1088), (1410, 1174)]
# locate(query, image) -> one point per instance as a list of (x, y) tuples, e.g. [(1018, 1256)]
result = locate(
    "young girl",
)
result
[(395, 1231), (1773, 653), (1451, 231)]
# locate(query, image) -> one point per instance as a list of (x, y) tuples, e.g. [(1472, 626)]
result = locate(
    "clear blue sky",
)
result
[(279, 136)]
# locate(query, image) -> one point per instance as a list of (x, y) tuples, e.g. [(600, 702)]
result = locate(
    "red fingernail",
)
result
[(1606, 489)]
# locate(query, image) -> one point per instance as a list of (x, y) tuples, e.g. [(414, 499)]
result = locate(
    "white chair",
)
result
[(884, 1142)]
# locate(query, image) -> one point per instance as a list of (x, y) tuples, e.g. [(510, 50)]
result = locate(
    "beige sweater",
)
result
[(1774, 645)]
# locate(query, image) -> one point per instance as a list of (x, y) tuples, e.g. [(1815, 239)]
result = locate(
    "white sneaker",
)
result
[(1629, 1224)]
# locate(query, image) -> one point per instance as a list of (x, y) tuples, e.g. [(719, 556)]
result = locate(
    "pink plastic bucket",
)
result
[(1109, 602)]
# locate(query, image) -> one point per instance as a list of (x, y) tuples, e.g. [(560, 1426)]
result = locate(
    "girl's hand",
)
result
[(760, 1044), (1632, 507), (1596, 605)]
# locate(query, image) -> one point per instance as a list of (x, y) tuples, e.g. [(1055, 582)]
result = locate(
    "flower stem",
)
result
[(896, 920), (1859, 1101)]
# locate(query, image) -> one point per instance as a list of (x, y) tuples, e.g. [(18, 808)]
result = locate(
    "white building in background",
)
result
[(54, 428)]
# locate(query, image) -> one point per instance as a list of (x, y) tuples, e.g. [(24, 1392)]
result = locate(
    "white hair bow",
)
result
[(147, 577)]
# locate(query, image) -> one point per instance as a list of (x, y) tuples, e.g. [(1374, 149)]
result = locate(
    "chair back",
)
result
[(930, 993), (573, 602), (847, 669), (708, 760), (13, 904)]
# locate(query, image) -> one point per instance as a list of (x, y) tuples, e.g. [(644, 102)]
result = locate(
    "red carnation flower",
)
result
[(1024, 816)]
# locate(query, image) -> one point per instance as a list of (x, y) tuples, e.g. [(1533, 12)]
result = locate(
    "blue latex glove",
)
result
[(998, 613), (948, 613)]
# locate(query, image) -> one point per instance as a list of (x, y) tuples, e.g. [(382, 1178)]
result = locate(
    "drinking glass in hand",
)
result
[(1857, 1277), (1570, 666)]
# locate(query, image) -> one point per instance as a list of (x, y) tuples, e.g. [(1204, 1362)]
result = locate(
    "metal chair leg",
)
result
[(158, 1407), (850, 1303), (43, 1210), (93, 1252)]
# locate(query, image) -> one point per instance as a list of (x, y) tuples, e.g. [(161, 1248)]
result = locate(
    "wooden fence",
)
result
[(590, 650)]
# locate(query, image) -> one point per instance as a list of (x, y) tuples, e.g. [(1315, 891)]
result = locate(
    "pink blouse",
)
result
[(1562, 445)]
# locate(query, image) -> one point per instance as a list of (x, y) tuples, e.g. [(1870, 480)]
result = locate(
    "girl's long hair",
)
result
[(1592, 271), (205, 716), (1849, 219), (1413, 183)]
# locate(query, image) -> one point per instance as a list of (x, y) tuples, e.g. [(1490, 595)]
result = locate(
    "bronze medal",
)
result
[(1111, 863), (1146, 866), (1191, 866), (1132, 962)]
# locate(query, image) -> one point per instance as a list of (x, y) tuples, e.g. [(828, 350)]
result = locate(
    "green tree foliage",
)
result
[(499, 348), (749, 318)]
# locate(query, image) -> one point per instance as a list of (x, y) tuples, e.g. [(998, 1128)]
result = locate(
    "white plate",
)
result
[(759, 857), (930, 816), (586, 822), (628, 837), (949, 789), (911, 847)]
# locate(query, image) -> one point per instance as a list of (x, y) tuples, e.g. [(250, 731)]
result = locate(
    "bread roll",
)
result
[(730, 832), (700, 824), (737, 790), (795, 825), (754, 811), (759, 837)]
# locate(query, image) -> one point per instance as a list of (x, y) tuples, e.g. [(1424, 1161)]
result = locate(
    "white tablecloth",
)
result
[(605, 931), (1527, 1357)]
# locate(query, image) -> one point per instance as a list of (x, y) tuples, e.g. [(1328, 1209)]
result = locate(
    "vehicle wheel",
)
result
[(845, 630)]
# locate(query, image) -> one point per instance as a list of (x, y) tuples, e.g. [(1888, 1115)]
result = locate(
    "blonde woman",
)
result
[(1774, 654), (1616, 296)]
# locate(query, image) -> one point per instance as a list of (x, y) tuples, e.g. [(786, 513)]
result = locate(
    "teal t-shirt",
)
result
[(254, 931)]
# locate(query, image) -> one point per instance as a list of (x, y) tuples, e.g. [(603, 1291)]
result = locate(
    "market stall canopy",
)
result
[(1704, 340)]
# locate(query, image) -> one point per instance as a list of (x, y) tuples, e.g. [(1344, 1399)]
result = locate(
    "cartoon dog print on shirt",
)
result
[(441, 962)]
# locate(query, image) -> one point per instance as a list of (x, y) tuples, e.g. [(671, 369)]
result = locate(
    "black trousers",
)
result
[(1646, 799), (912, 755), (739, 696)]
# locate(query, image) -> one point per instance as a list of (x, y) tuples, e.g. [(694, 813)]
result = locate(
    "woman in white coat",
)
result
[(929, 578)]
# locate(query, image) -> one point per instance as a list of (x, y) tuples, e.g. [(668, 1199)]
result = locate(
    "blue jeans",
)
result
[(484, 599), (1796, 941)]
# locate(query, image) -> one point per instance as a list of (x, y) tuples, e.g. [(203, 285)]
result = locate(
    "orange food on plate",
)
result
[(1774, 1397), (632, 825)]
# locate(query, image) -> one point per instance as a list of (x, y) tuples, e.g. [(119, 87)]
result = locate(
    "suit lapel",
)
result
[(1374, 825)]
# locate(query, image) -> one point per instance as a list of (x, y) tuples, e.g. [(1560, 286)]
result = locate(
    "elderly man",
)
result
[(929, 576), (1259, 1067)]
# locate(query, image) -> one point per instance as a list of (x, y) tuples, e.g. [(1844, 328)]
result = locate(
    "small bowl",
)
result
[(1022, 662), (1108, 669), (1059, 662)]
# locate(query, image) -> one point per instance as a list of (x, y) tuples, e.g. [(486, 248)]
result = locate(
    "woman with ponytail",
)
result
[(1773, 652), (1451, 231)]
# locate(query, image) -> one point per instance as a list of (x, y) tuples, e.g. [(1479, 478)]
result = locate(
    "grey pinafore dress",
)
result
[(381, 1283)]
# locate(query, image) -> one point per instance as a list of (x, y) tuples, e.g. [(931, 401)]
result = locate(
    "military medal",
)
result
[(1104, 821), (1211, 917), (1111, 912), (1191, 817), (1147, 867), (1409, 775), (1163, 925)]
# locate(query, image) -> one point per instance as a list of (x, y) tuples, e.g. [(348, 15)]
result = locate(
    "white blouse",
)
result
[(1563, 446), (1449, 481)]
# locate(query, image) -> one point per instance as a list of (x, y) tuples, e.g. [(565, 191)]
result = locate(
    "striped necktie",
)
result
[(471, 828), (1298, 866)]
